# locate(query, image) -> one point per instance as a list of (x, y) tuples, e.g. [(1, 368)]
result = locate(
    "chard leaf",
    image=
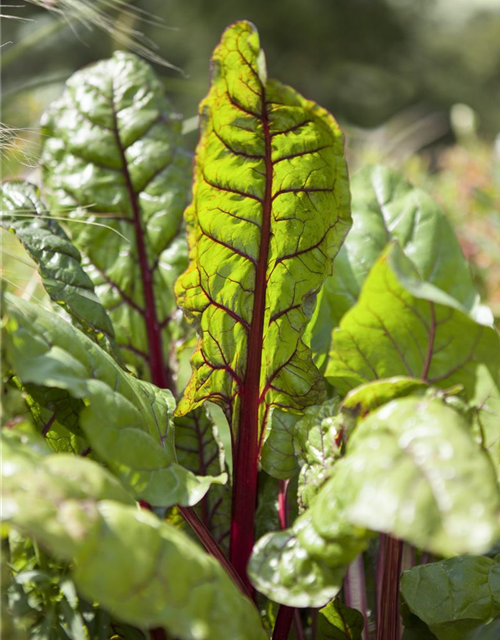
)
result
[(454, 597), (121, 554), (199, 449), (385, 207), (402, 326), (278, 457), (317, 446), (270, 211), (371, 395), (282, 570), (59, 262), (337, 621), (412, 470), (127, 422), (113, 161)]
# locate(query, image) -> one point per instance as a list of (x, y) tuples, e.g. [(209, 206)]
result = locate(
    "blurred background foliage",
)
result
[(415, 84)]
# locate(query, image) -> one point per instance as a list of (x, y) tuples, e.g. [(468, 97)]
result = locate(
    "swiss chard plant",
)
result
[(329, 467)]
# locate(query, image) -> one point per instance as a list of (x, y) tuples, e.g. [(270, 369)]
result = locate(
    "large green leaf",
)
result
[(126, 421), (113, 162), (59, 262), (270, 211), (385, 207), (402, 326), (413, 470), (454, 597), (336, 621), (143, 571)]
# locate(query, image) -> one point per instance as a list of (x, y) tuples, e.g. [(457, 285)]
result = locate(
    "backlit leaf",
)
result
[(113, 161), (402, 326), (270, 211)]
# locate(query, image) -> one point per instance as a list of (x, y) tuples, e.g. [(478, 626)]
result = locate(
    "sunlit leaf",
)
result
[(120, 553), (115, 167), (270, 211), (126, 421), (402, 326)]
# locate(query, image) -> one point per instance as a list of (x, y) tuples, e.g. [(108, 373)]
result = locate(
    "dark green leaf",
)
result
[(454, 597), (336, 621), (59, 262)]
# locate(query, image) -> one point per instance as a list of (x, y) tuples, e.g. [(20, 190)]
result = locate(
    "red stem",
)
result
[(211, 546), (388, 619), (283, 623), (160, 374), (159, 371), (247, 445), (355, 591)]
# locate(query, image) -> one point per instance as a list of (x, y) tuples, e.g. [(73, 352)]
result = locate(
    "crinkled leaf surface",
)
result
[(402, 326), (270, 211), (281, 569), (126, 421), (413, 470), (337, 621), (455, 596), (113, 158), (299, 567), (385, 207), (317, 447), (59, 262), (143, 571)]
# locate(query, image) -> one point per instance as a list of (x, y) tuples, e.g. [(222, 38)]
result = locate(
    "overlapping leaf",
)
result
[(402, 326), (454, 597), (199, 449), (270, 210), (113, 162), (336, 621), (126, 421), (317, 440), (121, 554), (411, 470), (386, 207), (278, 457), (59, 262)]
